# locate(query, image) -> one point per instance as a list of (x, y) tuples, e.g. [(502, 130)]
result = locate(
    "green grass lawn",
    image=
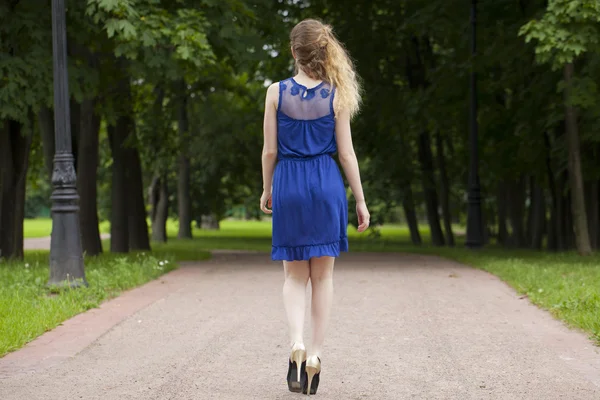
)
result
[(565, 284), (42, 227), (256, 235)]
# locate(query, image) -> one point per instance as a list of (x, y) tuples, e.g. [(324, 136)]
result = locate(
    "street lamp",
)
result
[(66, 256), (474, 220)]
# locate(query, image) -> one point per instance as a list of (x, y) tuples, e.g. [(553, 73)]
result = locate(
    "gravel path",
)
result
[(43, 243), (403, 327)]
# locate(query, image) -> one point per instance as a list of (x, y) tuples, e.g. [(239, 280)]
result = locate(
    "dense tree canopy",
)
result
[(167, 100)]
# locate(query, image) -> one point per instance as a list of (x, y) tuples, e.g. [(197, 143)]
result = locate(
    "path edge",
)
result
[(80, 331)]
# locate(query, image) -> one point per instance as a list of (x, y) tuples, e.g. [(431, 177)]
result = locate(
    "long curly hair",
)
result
[(322, 56)]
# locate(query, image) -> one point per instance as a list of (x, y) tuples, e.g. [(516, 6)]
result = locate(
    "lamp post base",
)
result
[(66, 254), (475, 238)]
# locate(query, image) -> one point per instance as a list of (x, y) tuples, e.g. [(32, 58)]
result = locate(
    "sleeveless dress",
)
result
[(310, 208)]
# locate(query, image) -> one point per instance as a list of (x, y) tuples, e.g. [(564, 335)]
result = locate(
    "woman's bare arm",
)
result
[(269, 153), (350, 166), (347, 155)]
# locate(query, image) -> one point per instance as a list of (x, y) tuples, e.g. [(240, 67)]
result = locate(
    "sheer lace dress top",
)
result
[(305, 120)]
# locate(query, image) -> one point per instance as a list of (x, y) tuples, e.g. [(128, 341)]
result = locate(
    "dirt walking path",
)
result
[(403, 327), (43, 243)]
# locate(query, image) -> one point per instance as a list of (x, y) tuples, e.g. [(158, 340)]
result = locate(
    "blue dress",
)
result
[(310, 208)]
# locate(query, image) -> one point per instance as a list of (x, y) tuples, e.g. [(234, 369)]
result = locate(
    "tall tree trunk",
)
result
[(575, 176), (429, 189), (597, 215), (183, 186), (528, 192), (129, 215), (158, 191), (444, 189), (160, 210), (7, 199), (14, 162), (486, 231), (503, 237), (561, 217), (553, 226), (153, 196), (75, 113), (138, 225), (555, 229), (591, 196), (569, 222), (516, 209), (597, 245), (408, 205), (119, 231), (87, 178), (537, 215), (46, 124), (552, 243), (21, 150)]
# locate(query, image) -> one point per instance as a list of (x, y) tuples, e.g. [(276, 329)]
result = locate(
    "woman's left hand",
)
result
[(266, 202)]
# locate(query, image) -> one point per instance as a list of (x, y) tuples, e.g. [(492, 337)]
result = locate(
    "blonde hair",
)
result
[(321, 56)]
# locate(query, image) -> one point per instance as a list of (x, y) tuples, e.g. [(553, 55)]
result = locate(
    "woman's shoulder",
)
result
[(273, 94), (279, 84), (275, 88)]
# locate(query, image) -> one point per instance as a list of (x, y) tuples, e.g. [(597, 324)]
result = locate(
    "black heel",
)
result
[(313, 372), (295, 377)]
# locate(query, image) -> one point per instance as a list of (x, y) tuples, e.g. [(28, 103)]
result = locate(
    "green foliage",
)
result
[(116, 15), (26, 48), (568, 29), (166, 40), (568, 32), (414, 59), (226, 122), (39, 188)]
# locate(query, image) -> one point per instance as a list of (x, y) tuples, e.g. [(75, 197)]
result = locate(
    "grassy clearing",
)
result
[(256, 235), (42, 227), (28, 308)]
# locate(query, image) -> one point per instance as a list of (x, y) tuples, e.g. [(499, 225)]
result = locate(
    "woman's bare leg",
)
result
[(321, 278), (294, 297)]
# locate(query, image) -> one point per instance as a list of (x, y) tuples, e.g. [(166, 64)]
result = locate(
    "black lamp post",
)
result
[(66, 256), (474, 220)]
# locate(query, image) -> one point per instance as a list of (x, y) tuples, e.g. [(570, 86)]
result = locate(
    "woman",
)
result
[(307, 120)]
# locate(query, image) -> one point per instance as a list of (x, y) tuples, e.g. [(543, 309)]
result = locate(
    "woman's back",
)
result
[(305, 120)]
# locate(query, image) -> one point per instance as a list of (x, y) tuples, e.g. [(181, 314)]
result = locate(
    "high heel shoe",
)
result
[(313, 372), (296, 370)]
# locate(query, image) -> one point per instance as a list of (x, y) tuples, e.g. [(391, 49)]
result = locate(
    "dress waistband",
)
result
[(303, 158)]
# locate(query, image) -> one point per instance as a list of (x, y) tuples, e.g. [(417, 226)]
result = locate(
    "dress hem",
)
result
[(303, 253)]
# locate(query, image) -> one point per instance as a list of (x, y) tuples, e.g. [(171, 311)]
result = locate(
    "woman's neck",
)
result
[(303, 77)]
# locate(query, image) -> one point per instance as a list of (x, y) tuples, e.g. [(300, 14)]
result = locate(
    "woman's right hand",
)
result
[(363, 215), (266, 202)]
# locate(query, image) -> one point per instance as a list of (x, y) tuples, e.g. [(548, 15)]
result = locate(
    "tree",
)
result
[(27, 57), (567, 30)]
